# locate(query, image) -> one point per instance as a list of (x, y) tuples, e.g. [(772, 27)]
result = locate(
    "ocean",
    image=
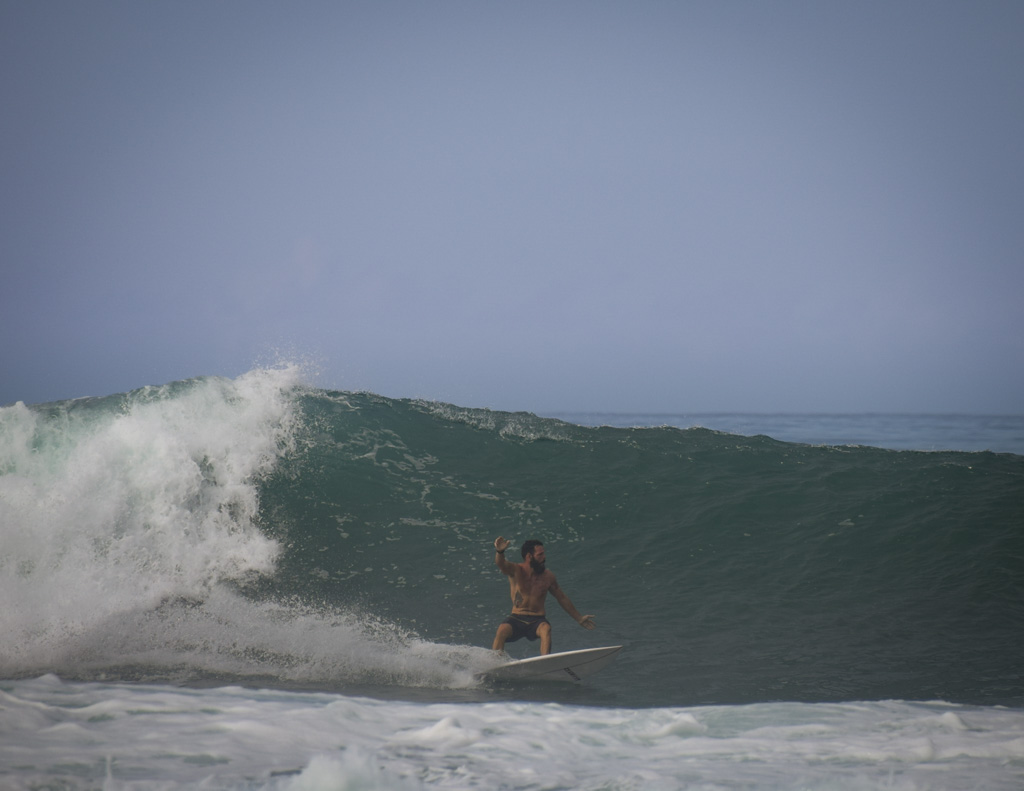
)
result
[(254, 583)]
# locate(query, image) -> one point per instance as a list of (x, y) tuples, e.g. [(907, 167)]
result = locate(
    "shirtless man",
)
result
[(529, 583)]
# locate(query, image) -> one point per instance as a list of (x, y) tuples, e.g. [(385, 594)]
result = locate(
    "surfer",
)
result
[(529, 584)]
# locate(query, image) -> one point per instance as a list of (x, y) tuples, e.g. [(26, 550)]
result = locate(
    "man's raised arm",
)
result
[(500, 545)]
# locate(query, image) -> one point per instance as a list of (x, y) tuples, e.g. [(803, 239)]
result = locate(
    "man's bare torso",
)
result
[(529, 590)]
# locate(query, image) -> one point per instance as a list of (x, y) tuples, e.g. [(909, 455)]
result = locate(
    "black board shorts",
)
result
[(524, 626)]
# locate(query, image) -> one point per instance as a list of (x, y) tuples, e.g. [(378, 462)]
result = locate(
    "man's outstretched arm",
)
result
[(586, 621)]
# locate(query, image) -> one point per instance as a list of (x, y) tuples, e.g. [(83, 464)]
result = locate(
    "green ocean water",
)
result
[(736, 569), (221, 531)]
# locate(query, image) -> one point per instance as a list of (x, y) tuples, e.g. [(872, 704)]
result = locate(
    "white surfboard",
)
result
[(566, 666)]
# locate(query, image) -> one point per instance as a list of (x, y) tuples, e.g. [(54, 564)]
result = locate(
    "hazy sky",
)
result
[(543, 206)]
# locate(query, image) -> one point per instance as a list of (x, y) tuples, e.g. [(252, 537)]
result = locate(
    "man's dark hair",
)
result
[(529, 546)]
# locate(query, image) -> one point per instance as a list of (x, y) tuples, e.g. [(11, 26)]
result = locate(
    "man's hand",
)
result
[(501, 544), (587, 622)]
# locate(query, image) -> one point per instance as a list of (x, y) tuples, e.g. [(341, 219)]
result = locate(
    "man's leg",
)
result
[(504, 632), (544, 633)]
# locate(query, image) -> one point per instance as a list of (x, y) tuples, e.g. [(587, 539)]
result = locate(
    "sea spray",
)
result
[(113, 505), (225, 636)]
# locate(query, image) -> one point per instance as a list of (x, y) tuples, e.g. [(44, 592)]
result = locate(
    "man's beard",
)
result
[(538, 567)]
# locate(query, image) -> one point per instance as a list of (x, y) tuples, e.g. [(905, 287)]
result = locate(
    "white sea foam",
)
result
[(78, 736), (108, 508)]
